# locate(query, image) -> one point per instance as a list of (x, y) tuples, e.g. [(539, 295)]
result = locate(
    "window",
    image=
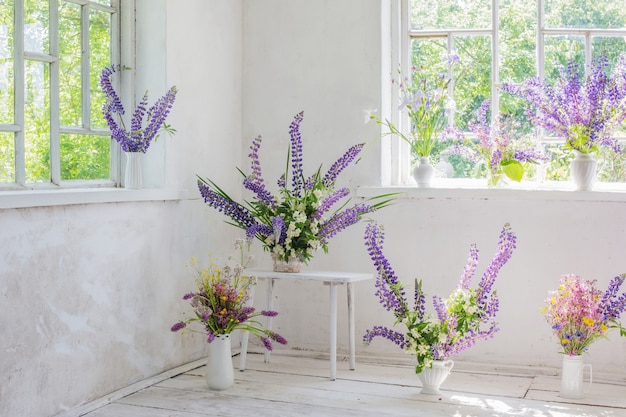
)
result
[(52, 132), (501, 41)]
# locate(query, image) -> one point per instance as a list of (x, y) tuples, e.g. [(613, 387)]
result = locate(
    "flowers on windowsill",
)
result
[(299, 219), (220, 304), (462, 319), (428, 106), (580, 314), (500, 147), (583, 114), (141, 132)]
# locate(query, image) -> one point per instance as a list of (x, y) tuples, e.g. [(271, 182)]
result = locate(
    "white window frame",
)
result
[(397, 153), (118, 9)]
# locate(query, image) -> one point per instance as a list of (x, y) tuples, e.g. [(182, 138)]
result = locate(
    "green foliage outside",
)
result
[(517, 61)]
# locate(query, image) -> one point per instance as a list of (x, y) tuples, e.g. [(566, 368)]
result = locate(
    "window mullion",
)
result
[(55, 146), (84, 66), (19, 99)]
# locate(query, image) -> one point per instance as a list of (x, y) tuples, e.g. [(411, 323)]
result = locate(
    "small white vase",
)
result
[(433, 377), (219, 369), (424, 172), (583, 170), (572, 377), (132, 176)]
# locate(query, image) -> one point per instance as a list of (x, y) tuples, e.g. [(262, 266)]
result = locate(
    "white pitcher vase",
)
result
[(433, 377), (572, 377), (219, 369)]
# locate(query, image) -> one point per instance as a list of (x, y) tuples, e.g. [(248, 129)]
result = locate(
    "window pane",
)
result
[(100, 55), (69, 62), (560, 50), (612, 166), (36, 30), (7, 157), (604, 14), (518, 40), (6, 62), (611, 46), (85, 157), (37, 122), (450, 14), (557, 167)]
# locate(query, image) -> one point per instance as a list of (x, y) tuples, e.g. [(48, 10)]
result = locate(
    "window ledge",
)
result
[(44, 198), (469, 189)]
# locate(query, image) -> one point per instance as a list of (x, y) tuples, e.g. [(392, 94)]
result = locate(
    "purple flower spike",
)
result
[(267, 343), (296, 155), (178, 326), (341, 164)]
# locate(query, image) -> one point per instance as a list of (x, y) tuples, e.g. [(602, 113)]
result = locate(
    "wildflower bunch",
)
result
[(462, 319), (299, 219), (584, 113), (141, 132), (500, 147), (580, 314), (428, 105), (221, 302)]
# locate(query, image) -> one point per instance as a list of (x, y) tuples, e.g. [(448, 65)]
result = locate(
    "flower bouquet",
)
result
[(462, 319), (499, 147), (580, 314), (299, 219), (141, 133), (583, 114), (220, 304)]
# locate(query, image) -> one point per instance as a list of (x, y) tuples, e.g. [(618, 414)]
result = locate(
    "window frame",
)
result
[(397, 153), (121, 21)]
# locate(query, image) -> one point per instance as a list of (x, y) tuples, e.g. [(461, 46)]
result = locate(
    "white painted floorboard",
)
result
[(299, 386)]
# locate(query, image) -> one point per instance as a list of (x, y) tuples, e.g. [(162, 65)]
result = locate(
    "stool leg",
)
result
[(333, 331), (351, 330)]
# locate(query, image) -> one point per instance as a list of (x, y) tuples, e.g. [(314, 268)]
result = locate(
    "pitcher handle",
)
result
[(450, 363), (590, 372)]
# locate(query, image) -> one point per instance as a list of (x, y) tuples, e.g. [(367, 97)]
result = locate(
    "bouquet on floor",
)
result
[(300, 218), (461, 320), (221, 302), (580, 314)]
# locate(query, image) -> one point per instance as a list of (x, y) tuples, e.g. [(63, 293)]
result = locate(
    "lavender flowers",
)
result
[(141, 133), (462, 319)]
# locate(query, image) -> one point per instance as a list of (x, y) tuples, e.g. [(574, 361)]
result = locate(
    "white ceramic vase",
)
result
[(132, 176), (583, 170), (219, 369), (572, 377), (424, 172), (433, 377)]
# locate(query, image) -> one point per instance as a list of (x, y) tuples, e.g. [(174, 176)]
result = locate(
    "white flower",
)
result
[(318, 194), (443, 337), (368, 115), (422, 349)]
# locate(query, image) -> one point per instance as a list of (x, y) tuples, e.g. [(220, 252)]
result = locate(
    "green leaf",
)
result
[(513, 169)]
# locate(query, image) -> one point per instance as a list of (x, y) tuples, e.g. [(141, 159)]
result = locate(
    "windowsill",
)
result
[(44, 198), (472, 189)]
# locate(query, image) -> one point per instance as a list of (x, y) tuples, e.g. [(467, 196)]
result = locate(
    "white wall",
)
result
[(88, 292)]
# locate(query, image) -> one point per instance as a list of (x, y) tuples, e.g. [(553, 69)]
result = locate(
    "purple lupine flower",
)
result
[(235, 211), (419, 300), (296, 155), (178, 326), (390, 292), (341, 164), (277, 338), (612, 305), (440, 308), (279, 230), (263, 196), (470, 268), (380, 331), (339, 221), (269, 313), (255, 163), (329, 201), (506, 245), (113, 103), (266, 342), (259, 228)]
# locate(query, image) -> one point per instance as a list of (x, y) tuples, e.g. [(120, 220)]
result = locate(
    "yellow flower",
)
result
[(564, 342), (223, 312), (588, 321), (603, 328)]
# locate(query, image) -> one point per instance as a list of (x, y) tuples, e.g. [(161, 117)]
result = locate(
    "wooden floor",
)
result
[(298, 385)]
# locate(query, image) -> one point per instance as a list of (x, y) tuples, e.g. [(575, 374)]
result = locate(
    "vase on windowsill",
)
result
[(583, 170), (132, 176), (424, 172)]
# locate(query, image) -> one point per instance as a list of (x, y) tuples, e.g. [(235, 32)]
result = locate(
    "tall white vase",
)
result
[(424, 172), (433, 377), (132, 177), (219, 369), (572, 377), (583, 170)]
